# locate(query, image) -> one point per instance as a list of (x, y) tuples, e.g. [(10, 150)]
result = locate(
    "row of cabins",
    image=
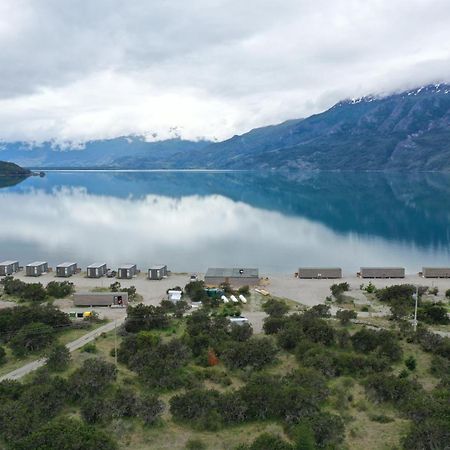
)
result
[(370, 272), (67, 269)]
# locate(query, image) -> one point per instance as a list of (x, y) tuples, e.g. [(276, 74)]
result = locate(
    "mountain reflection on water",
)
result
[(192, 220)]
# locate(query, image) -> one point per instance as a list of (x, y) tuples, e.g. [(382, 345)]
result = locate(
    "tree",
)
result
[(346, 315), (272, 325), (267, 441), (255, 353), (275, 308), (2, 355), (58, 358), (447, 293), (67, 434), (433, 313), (150, 409), (431, 434), (32, 337), (411, 363), (92, 378), (241, 332), (304, 437), (195, 290), (33, 292), (60, 289)]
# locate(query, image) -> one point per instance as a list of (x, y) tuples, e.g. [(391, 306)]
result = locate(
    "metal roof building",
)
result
[(157, 272), (436, 272), (8, 268), (96, 270), (66, 269), (320, 272), (234, 276), (382, 272), (127, 271), (117, 299), (36, 268)]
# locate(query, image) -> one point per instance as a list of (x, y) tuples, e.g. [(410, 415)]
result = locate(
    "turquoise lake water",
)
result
[(194, 220)]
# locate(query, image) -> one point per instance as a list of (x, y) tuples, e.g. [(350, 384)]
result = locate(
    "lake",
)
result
[(193, 220)]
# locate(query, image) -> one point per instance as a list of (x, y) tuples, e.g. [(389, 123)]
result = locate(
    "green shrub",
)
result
[(89, 348)]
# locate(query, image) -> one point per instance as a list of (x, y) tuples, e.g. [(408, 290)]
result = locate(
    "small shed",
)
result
[(127, 271), (233, 276), (117, 299), (37, 268), (436, 272), (66, 269), (382, 272), (96, 270), (320, 272), (157, 272), (8, 268)]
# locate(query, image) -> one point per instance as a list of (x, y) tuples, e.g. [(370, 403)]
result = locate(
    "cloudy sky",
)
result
[(85, 69)]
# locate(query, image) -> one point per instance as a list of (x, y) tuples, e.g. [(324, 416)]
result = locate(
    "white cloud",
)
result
[(81, 70)]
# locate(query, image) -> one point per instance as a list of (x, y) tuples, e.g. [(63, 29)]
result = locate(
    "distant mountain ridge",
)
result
[(405, 131)]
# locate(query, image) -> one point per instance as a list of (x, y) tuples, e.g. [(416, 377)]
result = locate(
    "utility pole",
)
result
[(115, 341), (416, 298)]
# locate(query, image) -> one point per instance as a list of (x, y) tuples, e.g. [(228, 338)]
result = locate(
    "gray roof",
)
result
[(7, 263), (382, 268), (66, 264), (96, 265), (232, 272), (127, 266), (36, 263), (158, 267)]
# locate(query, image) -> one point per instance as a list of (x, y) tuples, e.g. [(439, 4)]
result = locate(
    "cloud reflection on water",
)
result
[(188, 233)]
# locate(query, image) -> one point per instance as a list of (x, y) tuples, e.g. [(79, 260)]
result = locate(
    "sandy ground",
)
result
[(306, 292)]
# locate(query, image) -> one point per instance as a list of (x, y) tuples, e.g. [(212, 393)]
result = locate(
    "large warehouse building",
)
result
[(235, 277)]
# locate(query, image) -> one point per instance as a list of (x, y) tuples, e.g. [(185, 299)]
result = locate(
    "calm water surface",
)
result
[(193, 220)]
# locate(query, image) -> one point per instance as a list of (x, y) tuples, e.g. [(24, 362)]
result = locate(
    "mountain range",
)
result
[(404, 131)]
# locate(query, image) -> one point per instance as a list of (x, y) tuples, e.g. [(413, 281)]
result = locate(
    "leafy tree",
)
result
[(304, 437), (411, 363), (267, 441), (430, 434), (328, 429), (338, 289), (346, 315), (447, 293), (150, 409), (60, 289), (58, 358), (96, 410), (195, 290), (255, 353), (92, 378), (275, 308), (244, 290), (273, 325), (158, 365), (33, 292), (195, 406), (145, 317), (2, 355), (241, 332), (319, 311), (31, 338), (396, 292), (13, 319), (433, 313), (67, 434)]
